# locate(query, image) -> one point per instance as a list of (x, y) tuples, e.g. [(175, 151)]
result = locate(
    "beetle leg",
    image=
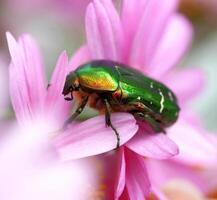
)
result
[(78, 111), (155, 125), (108, 121)]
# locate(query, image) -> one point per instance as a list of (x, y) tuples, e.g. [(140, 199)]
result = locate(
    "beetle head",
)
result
[(71, 84)]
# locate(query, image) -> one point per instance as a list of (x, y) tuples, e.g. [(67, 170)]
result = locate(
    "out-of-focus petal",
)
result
[(121, 176), (212, 138), (92, 137), (161, 172), (182, 189), (158, 193), (172, 46), (80, 57), (56, 106), (4, 100), (114, 163), (193, 143), (151, 27), (30, 168), (186, 84), (137, 181), (124, 195), (131, 14), (103, 30), (26, 71), (153, 145)]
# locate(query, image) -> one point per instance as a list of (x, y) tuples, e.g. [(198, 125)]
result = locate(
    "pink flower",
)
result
[(30, 165), (152, 37)]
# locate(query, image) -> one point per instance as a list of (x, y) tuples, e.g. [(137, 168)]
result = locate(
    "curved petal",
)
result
[(137, 181), (34, 69), (92, 137), (80, 57), (172, 46), (186, 83), (55, 103), (153, 145), (19, 97), (195, 147), (121, 175), (103, 30), (131, 14), (26, 75), (151, 27)]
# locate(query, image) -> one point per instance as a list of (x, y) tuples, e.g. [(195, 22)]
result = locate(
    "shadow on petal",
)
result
[(92, 137)]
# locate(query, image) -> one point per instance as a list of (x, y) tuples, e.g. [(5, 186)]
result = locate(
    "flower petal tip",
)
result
[(157, 146)]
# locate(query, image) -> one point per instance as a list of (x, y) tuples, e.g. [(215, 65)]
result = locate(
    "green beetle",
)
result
[(111, 86)]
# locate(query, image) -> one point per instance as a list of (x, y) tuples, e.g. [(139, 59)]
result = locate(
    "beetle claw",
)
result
[(68, 99)]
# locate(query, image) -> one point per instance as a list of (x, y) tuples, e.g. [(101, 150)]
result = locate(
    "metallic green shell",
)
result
[(158, 98), (98, 77)]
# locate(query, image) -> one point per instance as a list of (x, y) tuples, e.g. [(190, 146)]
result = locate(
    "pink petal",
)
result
[(137, 181), (27, 70), (103, 30), (116, 26), (195, 147), (92, 137), (80, 57), (187, 84), (121, 175), (114, 163), (55, 103), (153, 145), (34, 68), (158, 193), (172, 46), (19, 97), (152, 24), (131, 14), (125, 195), (161, 172)]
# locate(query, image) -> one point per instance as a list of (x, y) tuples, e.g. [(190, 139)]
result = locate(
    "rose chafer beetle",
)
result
[(108, 85)]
